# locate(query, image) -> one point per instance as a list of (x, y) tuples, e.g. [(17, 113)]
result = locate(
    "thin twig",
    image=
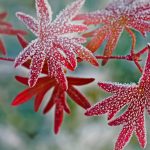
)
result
[(7, 59)]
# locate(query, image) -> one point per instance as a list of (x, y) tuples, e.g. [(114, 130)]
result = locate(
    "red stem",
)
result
[(138, 65), (111, 57), (7, 59), (133, 39), (142, 51)]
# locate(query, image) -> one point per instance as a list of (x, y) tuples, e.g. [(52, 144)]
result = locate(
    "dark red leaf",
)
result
[(58, 117), (22, 41), (51, 101), (79, 81), (78, 97), (39, 97)]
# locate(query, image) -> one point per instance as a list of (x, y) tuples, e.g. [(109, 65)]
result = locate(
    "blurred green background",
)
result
[(23, 129)]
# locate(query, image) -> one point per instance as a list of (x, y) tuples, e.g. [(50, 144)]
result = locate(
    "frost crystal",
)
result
[(52, 45), (136, 97), (117, 16)]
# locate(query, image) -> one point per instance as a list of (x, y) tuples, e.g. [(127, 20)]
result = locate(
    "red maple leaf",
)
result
[(7, 29), (53, 45), (117, 16), (136, 97), (58, 97)]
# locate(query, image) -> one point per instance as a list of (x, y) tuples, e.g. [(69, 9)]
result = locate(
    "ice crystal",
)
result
[(58, 97), (136, 97), (117, 16), (52, 45), (7, 29)]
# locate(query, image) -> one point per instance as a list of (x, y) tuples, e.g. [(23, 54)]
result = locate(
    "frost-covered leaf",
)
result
[(52, 46), (117, 16), (136, 97)]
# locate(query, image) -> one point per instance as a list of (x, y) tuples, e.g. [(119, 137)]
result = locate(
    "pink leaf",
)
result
[(53, 48), (29, 21), (124, 137)]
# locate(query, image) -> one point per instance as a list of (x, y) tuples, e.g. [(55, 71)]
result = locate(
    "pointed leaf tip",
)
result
[(89, 111), (23, 80), (2, 47), (148, 46), (22, 41)]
